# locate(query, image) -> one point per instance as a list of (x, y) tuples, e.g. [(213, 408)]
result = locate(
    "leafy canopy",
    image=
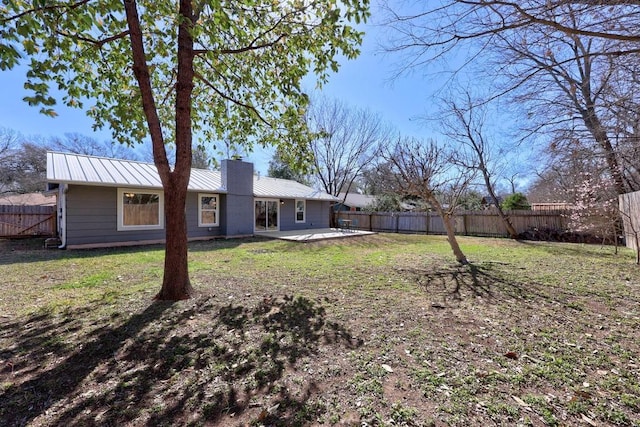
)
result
[(515, 201), (250, 58)]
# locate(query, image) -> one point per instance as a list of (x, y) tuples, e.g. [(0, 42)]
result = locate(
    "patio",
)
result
[(313, 235)]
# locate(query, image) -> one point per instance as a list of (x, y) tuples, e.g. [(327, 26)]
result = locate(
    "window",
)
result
[(301, 207), (208, 210), (140, 209)]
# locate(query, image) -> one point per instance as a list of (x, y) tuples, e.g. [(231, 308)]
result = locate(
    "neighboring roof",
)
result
[(488, 200), (362, 201), (67, 168), (356, 200), (30, 199)]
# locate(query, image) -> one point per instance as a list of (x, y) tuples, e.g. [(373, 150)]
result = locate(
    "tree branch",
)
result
[(98, 43), (43, 9), (230, 99)]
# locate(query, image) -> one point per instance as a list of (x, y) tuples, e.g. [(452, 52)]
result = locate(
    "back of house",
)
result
[(114, 202)]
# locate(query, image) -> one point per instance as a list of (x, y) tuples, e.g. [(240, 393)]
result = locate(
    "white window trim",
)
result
[(304, 211), (122, 227), (203, 224)]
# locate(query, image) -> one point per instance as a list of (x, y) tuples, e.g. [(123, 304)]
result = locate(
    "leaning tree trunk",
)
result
[(487, 182), (451, 231), (505, 218), (596, 128)]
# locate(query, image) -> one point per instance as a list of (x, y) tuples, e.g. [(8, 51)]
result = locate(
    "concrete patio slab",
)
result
[(313, 235)]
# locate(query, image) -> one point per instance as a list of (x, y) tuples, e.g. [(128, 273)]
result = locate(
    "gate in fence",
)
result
[(27, 221)]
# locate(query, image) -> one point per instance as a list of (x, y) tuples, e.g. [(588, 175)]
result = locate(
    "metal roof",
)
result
[(286, 189), (68, 168), (90, 170)]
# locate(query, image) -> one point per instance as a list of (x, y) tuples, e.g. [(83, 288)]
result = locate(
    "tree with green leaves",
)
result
[(174, 71), (515, 201), (279, 168)]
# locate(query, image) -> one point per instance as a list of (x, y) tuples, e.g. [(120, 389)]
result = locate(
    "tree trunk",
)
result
[(175, 284), (453, 242), (594, 125), (451, 231), (505, 219)]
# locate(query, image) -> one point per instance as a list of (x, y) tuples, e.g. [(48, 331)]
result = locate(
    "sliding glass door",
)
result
[(266, 215)]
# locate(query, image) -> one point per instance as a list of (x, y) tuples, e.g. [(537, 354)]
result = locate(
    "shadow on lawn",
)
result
[(171, 364), (459, 282), (32, 250)]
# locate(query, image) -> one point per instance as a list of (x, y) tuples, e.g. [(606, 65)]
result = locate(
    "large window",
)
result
[(208, 210), (140, 209), (300, 210)]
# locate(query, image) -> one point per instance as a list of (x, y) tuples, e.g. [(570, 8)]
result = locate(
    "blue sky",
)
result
[(363, 82)]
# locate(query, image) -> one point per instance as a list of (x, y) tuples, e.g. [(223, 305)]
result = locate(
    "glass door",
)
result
[(266, 215)]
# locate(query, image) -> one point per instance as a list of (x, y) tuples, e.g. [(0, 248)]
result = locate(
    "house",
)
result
[(353, 202), (489, 201), (111, 202)]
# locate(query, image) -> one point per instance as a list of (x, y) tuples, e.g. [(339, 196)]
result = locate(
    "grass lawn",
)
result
[(382, 330)]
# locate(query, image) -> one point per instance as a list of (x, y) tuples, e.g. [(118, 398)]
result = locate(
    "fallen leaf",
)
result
[(582, 395), (511, 355)]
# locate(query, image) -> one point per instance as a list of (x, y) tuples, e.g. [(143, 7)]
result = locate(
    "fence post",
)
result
[(464, 224), (427, 221)]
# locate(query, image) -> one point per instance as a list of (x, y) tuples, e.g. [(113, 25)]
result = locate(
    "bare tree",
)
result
[(346, 141), (566, 87), (437, 28), (9, 141), (423, 169), (465, 125), (82, 144), (561, 173), (558, 61), (24, 168)]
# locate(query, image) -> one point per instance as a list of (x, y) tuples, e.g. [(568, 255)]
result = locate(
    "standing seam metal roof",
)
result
[(90, 170)]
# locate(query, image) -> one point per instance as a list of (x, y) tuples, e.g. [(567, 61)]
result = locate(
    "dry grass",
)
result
[(379, 330)]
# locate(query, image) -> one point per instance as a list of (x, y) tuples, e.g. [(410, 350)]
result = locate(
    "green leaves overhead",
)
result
[(250, 59)]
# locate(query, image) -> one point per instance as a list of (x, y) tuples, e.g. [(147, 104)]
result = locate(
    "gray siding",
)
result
[(92, 218), (317, 215), (91, 215), (192, 218), (238, 205)]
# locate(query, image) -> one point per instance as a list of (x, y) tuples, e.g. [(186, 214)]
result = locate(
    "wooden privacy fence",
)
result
[(474, 223), (23, 221), (630, 211)]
